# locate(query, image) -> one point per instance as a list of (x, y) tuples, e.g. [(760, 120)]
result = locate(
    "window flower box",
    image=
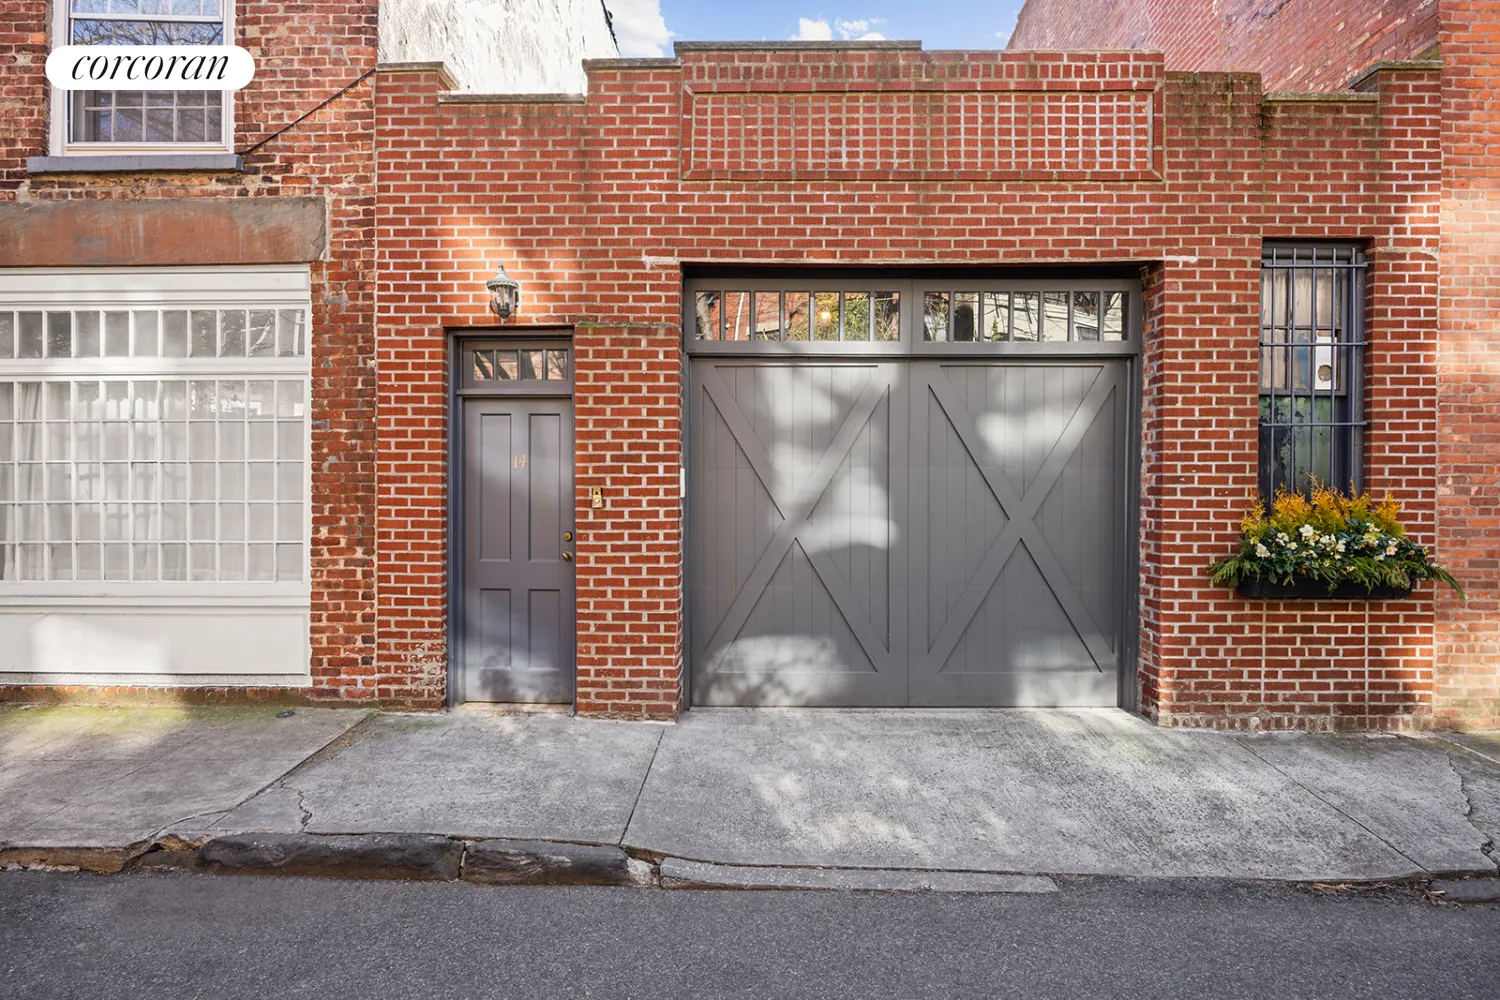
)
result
[(1326, 546), (1316, 590)]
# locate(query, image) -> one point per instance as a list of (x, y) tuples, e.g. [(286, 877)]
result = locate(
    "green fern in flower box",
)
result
[(1332, 538)]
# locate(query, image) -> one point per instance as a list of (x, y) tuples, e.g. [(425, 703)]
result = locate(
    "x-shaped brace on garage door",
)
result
[(796, 506), (1020, 527)]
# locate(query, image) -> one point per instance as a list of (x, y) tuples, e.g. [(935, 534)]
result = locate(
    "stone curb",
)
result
[(541, 862), (423, 857), (439, 858), (373, 856), (108, 860), (677, 873), (1477, 890)]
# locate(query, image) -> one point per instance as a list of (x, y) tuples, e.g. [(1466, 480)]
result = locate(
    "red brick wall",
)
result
[(1468, 634), (595, 207), (304, 53), (1306, 45)]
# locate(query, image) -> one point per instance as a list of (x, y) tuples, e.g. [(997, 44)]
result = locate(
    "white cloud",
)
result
[(812, 30), (639, 27), (817, 29)]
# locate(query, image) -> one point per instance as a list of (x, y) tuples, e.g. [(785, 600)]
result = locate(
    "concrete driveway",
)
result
[(1087, 792)]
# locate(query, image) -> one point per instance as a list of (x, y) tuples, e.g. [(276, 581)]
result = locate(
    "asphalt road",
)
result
[(167, 936)]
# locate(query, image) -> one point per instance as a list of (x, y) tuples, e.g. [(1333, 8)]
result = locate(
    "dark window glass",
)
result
[(1311, 367)]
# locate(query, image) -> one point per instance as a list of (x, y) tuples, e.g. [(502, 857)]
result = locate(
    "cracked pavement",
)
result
[(1054, 792), (120, 779), (1485, 821)]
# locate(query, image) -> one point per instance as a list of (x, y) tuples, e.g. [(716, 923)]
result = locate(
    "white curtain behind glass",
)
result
[(22, 562), (160, 479)]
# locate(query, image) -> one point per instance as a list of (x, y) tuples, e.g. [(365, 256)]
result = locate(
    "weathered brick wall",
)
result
[(1308, 45), (1468, 635), (304, 53), (594, 208), (24, 34)]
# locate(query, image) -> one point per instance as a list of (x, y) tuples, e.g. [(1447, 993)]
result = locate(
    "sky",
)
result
[(649, 27)]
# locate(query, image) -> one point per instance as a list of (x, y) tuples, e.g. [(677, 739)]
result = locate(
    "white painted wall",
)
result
[(499, 46), (154, 643)]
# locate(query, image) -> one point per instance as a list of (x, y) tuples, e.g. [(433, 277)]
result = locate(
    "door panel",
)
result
[(517, 610), (795, 535), (926, 533), (1037, 619)]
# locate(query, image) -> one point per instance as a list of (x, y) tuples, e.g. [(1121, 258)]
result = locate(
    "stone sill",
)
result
[(1320, 97), (464, 97), (111, 163)]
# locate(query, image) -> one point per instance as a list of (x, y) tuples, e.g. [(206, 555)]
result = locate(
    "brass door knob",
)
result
[(567, 557), (567, 536)]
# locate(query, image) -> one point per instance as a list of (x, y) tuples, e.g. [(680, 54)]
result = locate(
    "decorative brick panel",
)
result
[(983, 135)]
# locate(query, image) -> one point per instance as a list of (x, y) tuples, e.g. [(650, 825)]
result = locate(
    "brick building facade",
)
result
[(298, 198), (1315, 47), (1309, 45), (719, 502)]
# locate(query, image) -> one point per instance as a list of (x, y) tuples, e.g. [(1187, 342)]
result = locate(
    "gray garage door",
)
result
[(909, 530)]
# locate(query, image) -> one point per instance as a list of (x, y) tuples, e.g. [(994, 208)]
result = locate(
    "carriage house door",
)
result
[(514, 555), (911, 492)]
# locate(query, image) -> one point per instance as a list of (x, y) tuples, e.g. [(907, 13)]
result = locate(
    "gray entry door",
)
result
[(517, 617), (924, 533)]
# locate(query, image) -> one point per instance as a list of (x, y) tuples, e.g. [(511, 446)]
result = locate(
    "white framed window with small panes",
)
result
[(155, 433), (126, 122)]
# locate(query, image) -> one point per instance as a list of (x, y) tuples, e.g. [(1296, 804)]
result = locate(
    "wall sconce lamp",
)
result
[(505, 294)]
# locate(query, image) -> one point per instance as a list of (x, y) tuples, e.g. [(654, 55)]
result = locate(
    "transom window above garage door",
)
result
[(1056, 315), (798, 316), (858, 314)]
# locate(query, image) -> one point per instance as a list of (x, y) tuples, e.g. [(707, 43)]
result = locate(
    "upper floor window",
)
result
[(146, 120), (1312, 340)]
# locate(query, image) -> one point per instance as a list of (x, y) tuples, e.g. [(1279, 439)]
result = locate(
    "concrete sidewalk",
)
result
[(1045, 792)]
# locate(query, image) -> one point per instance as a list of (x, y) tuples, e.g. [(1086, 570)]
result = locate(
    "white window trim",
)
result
[(286, 286), (60, 145)]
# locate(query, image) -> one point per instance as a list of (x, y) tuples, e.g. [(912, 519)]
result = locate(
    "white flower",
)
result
[(1390, 549), (1306, 531), (1340, 546), (1380, 557), (1262, 551), (1291, 546), (1281, 537)]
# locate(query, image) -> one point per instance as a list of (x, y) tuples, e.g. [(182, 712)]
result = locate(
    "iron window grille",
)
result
[(1312, 343)]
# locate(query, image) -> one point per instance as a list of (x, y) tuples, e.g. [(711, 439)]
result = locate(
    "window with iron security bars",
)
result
[(1312, 345)]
